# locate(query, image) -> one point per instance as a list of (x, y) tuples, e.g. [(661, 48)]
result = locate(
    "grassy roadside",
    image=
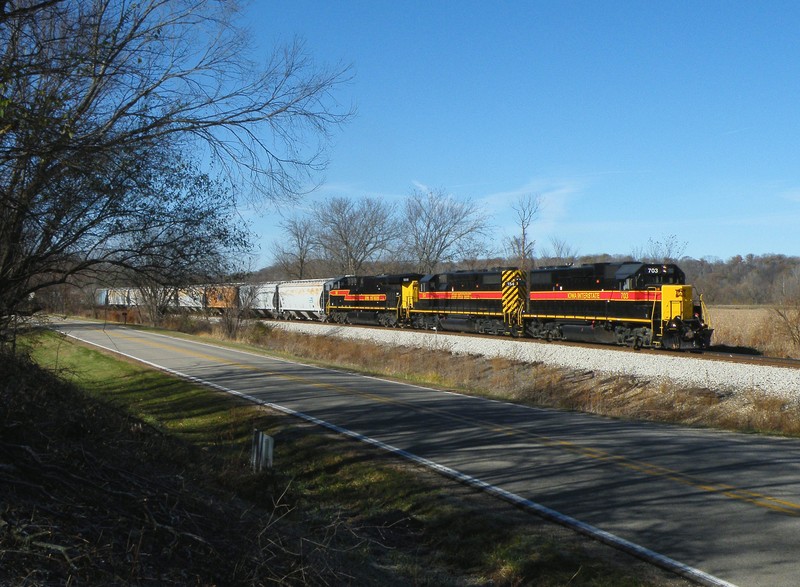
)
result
[(331, 512)]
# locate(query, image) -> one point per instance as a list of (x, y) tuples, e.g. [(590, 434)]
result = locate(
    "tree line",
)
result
[(347, 236), (432, 231), (748, 280), (429, 230)]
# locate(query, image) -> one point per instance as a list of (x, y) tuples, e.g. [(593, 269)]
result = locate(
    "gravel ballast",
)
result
[(681, 369)]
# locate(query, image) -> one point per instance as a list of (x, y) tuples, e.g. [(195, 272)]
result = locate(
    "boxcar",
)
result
[(219, 298)]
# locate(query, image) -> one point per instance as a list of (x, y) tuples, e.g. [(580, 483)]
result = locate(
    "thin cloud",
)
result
[(792, 195)]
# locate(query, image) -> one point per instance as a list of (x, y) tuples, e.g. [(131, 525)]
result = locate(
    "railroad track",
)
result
[(744, 357)]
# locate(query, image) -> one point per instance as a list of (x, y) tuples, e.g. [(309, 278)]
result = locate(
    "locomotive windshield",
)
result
[(640, 276)]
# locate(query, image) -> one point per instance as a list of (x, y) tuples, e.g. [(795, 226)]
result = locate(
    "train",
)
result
[(635, 304)]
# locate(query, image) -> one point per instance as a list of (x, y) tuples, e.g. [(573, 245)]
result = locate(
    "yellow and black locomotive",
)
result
[(384, 300), (634, 304)]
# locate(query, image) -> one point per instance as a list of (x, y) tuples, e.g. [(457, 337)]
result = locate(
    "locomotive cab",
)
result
[(677, 322), (682, 324)]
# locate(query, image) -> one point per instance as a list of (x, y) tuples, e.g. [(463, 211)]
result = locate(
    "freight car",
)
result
[(191, 299), (119, 297), (219, 298), (261, 299), (304, 299)]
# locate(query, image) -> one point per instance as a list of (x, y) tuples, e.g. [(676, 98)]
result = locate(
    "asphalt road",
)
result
[(725, 504)]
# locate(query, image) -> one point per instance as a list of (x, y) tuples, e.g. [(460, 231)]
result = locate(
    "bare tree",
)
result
[(667, 250), (186, 237), (156, 300), (294, 252), (520, 247), (100, 98), (350, 233), (559, 253), (437, 228), (787, 308)]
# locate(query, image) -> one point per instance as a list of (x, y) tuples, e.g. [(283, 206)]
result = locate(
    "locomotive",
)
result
[(630, 303), (385, 300), (635, 304)]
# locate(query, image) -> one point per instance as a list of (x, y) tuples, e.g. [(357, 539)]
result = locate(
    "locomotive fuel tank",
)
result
[(596, 333)]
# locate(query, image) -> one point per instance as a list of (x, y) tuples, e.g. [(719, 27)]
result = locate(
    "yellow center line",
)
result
[(642, 467)]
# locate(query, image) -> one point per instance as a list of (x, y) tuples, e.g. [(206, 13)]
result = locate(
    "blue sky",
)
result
[(631, 120)]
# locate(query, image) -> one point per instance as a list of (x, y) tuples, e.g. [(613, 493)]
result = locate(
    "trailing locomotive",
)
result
[(385, 300), (634, 304), (470, 301)]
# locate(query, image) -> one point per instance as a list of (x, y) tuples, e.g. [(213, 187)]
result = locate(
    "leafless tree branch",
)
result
[(103, 103)]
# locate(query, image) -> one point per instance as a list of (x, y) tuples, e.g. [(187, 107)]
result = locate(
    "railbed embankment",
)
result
[(682, 369)]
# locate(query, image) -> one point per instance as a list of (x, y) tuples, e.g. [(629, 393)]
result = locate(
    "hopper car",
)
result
[(304, 299), (260, 298)]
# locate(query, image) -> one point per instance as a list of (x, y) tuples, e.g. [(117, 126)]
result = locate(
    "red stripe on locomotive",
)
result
[(460, 295), (596, 296), (348, 297)]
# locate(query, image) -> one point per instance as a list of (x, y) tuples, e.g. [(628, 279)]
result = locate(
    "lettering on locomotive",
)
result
[(583, 295)]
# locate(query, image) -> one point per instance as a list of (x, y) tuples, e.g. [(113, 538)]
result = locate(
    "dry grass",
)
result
[(752, 327), (543, 385), (743, 327)]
